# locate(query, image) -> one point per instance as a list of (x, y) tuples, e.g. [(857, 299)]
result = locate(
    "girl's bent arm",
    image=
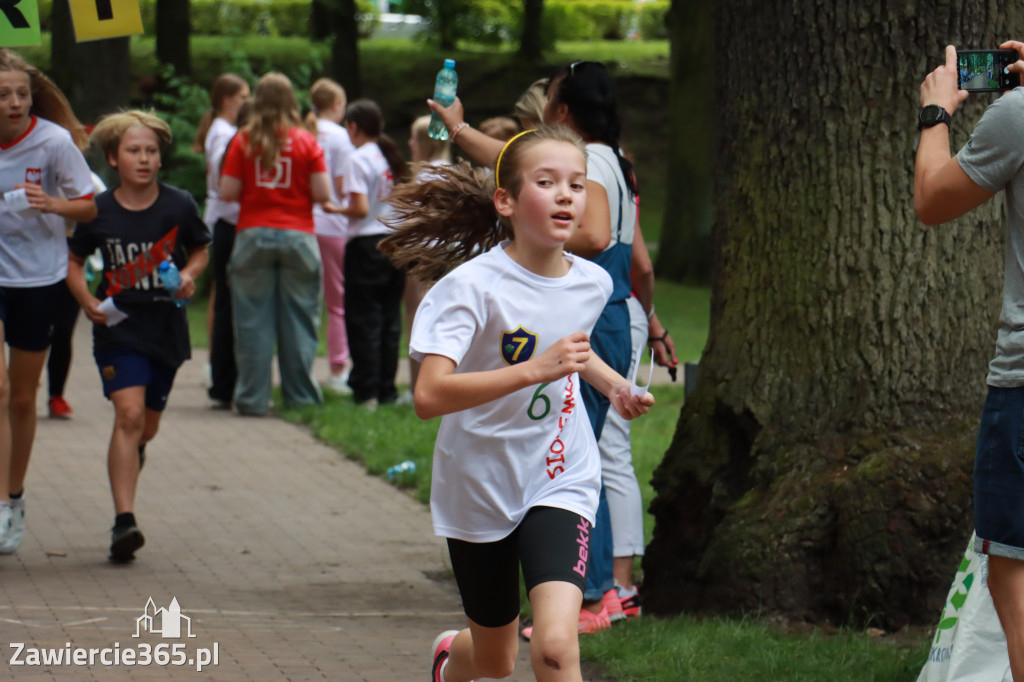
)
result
[(440, 391), (230, 188), (320, 187), (358, 206), (80, 210), (605, 379)]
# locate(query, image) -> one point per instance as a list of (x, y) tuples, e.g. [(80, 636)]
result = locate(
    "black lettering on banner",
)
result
[(103, 10), (13, 14)]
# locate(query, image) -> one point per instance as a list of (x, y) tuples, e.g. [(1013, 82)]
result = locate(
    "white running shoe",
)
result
[(338, 383), (6, 513)]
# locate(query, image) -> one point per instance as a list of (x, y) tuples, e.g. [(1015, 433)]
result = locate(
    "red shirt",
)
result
[(279, 197)]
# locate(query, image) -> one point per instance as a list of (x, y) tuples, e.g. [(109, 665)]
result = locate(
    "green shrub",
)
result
[(254, 17), (586, 19), (651, 20)]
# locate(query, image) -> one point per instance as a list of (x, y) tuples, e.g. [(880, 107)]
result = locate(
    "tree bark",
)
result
[(320, 17), (822, 468), (345, 48), (530, 44), (684, 253), (173, 28)]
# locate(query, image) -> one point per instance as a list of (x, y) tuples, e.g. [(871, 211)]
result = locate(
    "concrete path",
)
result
[(287, 561)]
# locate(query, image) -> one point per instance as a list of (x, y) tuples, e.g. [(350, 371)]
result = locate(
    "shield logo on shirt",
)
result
[(34, 176), (518, 345)]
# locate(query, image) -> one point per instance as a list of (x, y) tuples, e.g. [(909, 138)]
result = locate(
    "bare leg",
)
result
[(24, 373), (483, 652), (622, 570), (555, 644), (5, 422), (134, 425), (1006, 583)]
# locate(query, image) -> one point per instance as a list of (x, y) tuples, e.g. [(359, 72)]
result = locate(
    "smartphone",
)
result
[(985, 70)]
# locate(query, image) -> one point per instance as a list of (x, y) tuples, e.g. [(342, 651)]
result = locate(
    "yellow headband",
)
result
[(497, 166)]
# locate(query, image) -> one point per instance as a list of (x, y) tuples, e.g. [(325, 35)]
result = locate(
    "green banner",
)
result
[(19, 23)]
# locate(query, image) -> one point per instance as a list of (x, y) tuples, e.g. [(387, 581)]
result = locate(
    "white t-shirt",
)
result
[(534, 447), (604, 169), (368, 173), (337, 150), (216, 144), (33, 245)]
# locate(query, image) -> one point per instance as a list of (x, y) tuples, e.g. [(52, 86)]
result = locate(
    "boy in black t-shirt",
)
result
[(141, 223)]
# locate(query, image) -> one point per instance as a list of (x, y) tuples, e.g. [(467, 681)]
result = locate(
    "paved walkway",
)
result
[(288, 560)]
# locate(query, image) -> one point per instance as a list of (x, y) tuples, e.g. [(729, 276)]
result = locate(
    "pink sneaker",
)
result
[(630, 602), (593, 622), (610, 602), (441, 648)]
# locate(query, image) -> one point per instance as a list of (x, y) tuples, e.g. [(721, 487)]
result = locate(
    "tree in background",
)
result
[(530, 43), (173, 28), (822, 467), (345, 47), (684, 253)]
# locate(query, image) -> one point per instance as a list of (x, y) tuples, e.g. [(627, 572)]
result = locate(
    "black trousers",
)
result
[(58, 364), (373, 295), (222, 346)]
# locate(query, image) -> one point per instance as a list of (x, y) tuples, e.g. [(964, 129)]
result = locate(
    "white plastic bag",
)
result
[(969, 645)]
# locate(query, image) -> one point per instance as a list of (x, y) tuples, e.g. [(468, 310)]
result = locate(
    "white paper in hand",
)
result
[(114, 316), (635, 388), (16, 201)]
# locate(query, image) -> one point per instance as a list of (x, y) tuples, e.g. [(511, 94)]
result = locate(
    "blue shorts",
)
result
[(999, 475), (27, 315), (124, 368)]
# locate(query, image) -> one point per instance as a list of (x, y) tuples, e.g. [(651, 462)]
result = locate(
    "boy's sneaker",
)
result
[(16, 527), (441, 648), (610, 602), (124, 541), (59, 408), (5, 525), (630, 601)]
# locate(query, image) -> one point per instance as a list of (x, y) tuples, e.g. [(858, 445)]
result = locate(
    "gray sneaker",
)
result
[(16, 530), (5, 526)]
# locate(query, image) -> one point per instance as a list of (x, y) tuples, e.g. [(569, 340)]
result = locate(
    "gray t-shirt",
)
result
[(994, 158)]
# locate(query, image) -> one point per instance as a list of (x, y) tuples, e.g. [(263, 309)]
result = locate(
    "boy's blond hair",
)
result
[(108, 132)]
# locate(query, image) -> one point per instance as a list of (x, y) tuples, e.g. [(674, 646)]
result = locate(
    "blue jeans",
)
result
[(611, 342), (275, 295)]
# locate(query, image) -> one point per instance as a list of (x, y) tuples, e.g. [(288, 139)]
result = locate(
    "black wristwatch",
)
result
[(932, 115)]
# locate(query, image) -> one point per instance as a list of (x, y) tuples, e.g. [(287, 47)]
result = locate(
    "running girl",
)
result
[(503, 341), (40, 156), (140, 224)]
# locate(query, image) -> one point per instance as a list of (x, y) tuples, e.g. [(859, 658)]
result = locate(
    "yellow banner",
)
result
[(99, 19), (19, 23)]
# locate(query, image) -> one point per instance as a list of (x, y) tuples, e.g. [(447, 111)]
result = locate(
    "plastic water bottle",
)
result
[(171, 279), (444, 94), (406, 466)]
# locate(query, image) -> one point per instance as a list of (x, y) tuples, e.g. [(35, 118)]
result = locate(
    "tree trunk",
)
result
[(684, 253), (345, 48), (319, 24), (94, 75), (822, 468), (530, 47), (173, 28)]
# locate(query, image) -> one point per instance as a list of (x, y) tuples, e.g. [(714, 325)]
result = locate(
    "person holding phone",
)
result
[(946, 187)]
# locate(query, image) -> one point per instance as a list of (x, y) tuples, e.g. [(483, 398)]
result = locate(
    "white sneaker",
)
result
[(206, 381), (338, 383), (406, 399), (5, 528)]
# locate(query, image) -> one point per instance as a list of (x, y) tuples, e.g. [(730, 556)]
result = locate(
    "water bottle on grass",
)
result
[(444, 94)]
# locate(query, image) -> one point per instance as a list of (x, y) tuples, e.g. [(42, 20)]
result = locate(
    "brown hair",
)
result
[(47, 100), (449, 215), (499, 127), (274, 110), (226, 85), (323, 95), (430, 149), (366, 115), (111, 128)]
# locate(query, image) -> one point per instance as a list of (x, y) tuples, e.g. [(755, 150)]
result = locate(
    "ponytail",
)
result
[(202, 130), (442, 220), (396, 162)]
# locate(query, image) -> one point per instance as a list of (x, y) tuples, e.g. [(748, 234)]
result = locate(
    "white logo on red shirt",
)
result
[(278, 178)]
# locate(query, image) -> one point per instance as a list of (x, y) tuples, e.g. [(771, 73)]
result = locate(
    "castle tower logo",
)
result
[(164, 622)]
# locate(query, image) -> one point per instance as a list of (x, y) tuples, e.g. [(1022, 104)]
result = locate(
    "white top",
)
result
[(216, 144), (33, 245), (533, 447), (368, 173), (337, 150)]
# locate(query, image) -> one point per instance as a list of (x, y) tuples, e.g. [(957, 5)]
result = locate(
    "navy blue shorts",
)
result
[(27, 315), (999, 475), (124, 367), (551, 544)]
